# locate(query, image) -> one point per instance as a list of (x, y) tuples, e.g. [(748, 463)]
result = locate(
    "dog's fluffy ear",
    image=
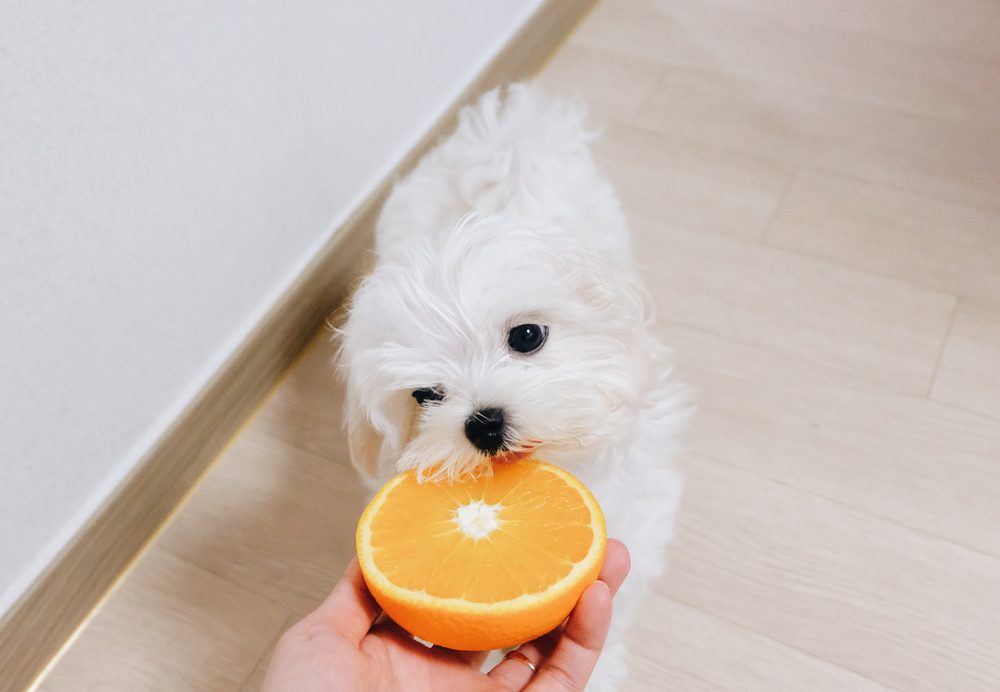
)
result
[(613, 288), (377, 425), (377, 413), (363, 440)]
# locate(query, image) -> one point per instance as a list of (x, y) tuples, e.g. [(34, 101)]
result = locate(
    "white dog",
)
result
[(504, 319)]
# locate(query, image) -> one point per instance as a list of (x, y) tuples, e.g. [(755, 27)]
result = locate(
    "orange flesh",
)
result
[(418, 544), (529, 528)]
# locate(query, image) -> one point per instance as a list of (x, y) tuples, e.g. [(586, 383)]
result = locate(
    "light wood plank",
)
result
[(170, 626), (927, 242), (905, 609), (272, 518), (863, 325), (958, 161), (978, 308), (917, 23), (969, 373), (681, 649), (693, 185), (920, 463), (256, 679), (831, 54), (613, 85), (305, 411)]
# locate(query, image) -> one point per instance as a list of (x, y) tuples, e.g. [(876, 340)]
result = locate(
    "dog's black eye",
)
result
[(527, 338), (427, 395)]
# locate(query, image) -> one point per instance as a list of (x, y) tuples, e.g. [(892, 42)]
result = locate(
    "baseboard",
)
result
[(43, 621)]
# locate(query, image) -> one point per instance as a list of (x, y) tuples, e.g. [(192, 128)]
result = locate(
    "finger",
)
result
[(576, 654), (617, 563), (350, 609), (513, 672)]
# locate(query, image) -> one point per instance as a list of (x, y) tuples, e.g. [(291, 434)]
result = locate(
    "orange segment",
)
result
[(484, 563)]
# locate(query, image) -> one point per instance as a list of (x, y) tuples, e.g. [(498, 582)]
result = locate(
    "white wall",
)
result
[(166, 169)]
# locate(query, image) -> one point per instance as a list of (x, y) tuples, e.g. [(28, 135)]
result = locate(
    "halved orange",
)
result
[(483, 563)]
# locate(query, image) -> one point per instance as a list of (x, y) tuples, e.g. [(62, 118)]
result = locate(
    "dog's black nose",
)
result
[(485, 429)]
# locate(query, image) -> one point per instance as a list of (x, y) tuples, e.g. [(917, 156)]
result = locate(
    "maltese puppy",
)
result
[(505, 319)]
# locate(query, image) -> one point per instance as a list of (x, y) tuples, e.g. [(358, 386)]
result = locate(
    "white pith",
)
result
[(478, 519)]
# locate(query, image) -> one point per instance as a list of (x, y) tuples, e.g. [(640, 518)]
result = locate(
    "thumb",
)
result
[(572, 661)]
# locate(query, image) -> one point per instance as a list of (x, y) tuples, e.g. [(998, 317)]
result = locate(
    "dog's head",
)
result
[(497, 342)]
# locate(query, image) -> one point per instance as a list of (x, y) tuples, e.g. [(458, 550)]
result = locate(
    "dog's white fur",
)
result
[(506, 222)]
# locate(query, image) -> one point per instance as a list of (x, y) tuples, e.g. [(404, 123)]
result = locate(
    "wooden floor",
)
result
[(815, 188)]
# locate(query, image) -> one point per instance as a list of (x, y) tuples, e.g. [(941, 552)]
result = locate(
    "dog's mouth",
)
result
[(511, 457), (522, 451)]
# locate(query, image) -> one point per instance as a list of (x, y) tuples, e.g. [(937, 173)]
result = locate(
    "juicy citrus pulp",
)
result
[(483, 563)]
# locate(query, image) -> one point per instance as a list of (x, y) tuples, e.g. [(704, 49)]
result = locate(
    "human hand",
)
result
[(348, 645)]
